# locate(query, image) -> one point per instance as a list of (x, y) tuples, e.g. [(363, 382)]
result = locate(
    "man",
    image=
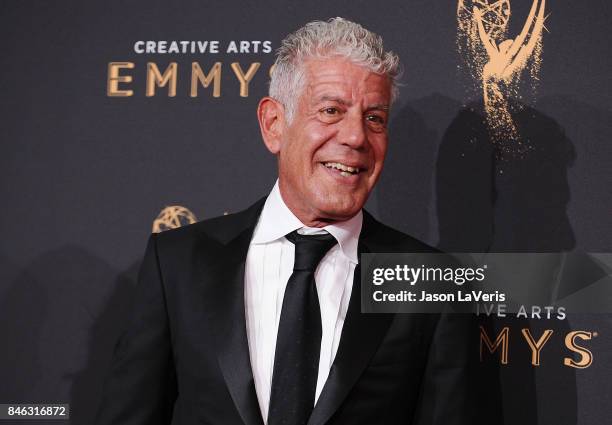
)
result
[(254, 318)]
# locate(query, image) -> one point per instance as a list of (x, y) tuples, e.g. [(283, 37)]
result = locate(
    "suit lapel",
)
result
[(223, 274), (224, 297), (362, 334)]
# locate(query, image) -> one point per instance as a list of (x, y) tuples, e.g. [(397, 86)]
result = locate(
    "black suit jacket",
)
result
[(184, 354)]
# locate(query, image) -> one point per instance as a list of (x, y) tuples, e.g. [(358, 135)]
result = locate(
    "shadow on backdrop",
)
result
[(406, 201), (404, 192), (103, 335), (59, 318), (513, 197)]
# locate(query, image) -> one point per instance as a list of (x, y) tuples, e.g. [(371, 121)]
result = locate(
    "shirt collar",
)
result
[(276, 220)]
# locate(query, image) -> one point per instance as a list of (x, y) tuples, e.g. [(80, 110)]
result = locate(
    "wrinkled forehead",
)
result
[(339, 78)]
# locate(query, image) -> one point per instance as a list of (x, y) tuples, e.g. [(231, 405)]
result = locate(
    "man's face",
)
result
[(332, 152)]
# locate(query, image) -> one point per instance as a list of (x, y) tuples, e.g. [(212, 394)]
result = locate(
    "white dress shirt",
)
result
[(269, 265)]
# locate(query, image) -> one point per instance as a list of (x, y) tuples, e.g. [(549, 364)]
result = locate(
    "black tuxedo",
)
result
[(185, 352)]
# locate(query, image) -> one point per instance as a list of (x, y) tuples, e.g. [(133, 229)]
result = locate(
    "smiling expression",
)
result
[(331, 154)]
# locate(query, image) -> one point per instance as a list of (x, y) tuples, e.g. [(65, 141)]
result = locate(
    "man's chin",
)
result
[(340, 209)]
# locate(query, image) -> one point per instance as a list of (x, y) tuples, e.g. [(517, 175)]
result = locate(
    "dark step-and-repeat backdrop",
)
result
[(123, 118)]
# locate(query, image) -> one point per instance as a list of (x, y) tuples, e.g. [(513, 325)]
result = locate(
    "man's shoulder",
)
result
[(380, 237), (219, 230), (377, 236)]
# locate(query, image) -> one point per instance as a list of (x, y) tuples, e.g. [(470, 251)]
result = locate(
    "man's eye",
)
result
[(376, 119), (330, 114)]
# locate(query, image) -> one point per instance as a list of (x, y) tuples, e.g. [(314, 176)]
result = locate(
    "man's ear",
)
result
[(271, 116)]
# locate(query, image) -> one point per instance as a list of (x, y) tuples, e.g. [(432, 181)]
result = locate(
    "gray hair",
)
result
[(318, 39)]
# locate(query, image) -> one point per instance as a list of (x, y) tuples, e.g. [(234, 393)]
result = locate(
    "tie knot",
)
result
[(309, 249)]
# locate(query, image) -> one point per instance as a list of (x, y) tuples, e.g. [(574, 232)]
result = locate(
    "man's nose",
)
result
[(353, 132)]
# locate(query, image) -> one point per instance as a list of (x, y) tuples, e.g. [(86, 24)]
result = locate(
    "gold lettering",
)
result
[(197, 75), (245, 79), (154, 77), (536, 347), (586, 357), (502, 339), (112, 84)]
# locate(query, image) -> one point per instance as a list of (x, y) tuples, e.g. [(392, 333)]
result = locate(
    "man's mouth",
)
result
[(344, 170)]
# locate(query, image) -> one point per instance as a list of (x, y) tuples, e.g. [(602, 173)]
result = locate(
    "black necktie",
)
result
[(298, 343)]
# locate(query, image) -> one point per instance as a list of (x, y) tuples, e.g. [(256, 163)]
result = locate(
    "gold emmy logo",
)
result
[(497, 62), (172, 217)]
